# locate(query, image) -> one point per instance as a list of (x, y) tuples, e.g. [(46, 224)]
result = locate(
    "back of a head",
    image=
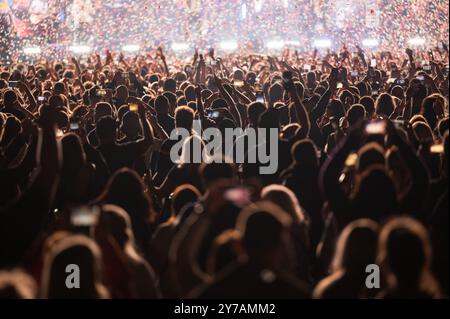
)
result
[(369, 105), (355, 114), (73, 154), (80, 256), (356, 247), (182, 196), (16, 285), (215, 172), (405, 251), (103, 109), (106, 128), (384, 105), (131, 124), (170, 85), (255, 110), (162, 105), (184, 117), (375, 194), (285, 199), (262, 226), (269, 119), (304, 152), (370, 154)]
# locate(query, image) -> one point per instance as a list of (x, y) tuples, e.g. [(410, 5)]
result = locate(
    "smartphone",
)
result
[(375, 92), (437, 149), (351, 160), (101, 93), (74, 126), (41, 98), (373, 63), (238, 83), (376, 128), (84, 216), (13, 84), (420, 78), (125, 75), (391, 81), (214, 114), (340, 85), (260, 97), (354, 74), (427, 68), (240, 196), (400, 82), (307, 67), (134, 107)]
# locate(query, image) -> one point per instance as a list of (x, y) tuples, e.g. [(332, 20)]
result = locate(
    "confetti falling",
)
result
[(56, 24)]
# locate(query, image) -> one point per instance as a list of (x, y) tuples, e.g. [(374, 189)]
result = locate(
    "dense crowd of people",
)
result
[(86, 176)]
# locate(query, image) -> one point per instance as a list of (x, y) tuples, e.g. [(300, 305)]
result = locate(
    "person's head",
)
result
[(384, 106), (184, 117), (106, 130), (423, 132), (60, 88), (172, 98), (17, 284), (286, 200), (74, 157), (405, 254), (335, 109), (115, 222), (276, 93), (81, 257), (398, 92), (255, 110), (131, 125), (355, 114), (182, 196), (10, 98), (356, 247), (102, 109), (162, 105), (304, 153), (189, 93), (265, 231), (212, 173), (122, 93), (375, 194), (269, 119), (370, 154), (170, 85), (369, 105)]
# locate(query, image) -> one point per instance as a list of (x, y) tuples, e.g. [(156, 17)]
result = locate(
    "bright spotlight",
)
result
[(370, 42), (80, 49), (275, 45), (32, 50), (228, 45), (180, 46), (417, 41), (131, 48), (293, 43), (322, 43)]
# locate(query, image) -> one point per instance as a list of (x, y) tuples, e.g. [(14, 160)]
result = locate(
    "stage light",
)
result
[(417, 41), (293, 43), (322, 43), (228, 45), (80, 49), (258, 5), (32, 50), (275, 45), (131, 48), (180, 46), (370, 42), (244, 11)]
